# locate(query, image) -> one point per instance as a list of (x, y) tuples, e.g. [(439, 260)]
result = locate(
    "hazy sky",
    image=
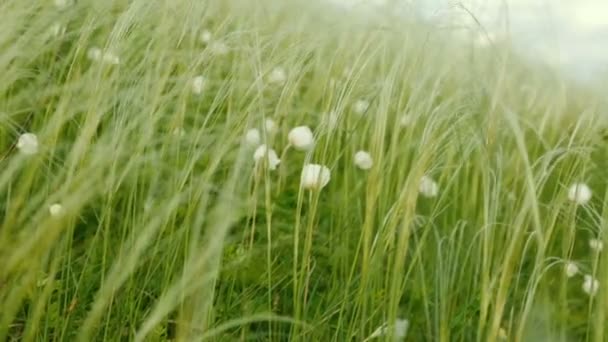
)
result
[(569, 34)]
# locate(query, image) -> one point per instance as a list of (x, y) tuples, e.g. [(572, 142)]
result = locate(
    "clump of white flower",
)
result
[(271, 126), (360, 106), (198, 84), (301, 138), (590, 285), (571, 269), (363, 160), (314, 176), (277, 76), (428, 187), (265, 153), (399, 330), (253, 137), (28, 143), (579, 193), (596, 244), (56, 210)]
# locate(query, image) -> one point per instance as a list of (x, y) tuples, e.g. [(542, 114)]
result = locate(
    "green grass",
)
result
[(170, 231)]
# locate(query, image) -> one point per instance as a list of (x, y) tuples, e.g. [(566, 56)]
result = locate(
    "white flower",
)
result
[(271, 156), (406, 120), (314, 177), (399, 330), (277, 76), (28, 143), (579, 193), (363, 160), (301, 138), (270, 125), (56, 210), (571, 269), (590, 285), (206, 37), (596, 244), (253, 137), (360, 106), (198, 84), (428, 187)]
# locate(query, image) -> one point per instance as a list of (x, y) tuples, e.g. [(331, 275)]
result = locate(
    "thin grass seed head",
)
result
[(360, 106), (428, 187), (301, 138), (198, 84), (271, 126), (56, 210), (314, 177), (596, 245), (56, 30), (28, 144), (571, 269), (277, 76), (330, 120), (363, 160), (219, 48), (94, 54), (579, 193), (253, 137), (263, 152), (590, 285)]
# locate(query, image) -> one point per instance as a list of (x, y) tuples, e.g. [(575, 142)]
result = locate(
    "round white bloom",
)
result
[(94, 53), (590, 285), (28, 143), (571, 269), (253, 137), (278, 76), (596, 244), (206, 37), (399, 330), (271, 156), (270, 125), (579, 193), (314, 177), (56, 210), (198, 84), (428, 187), (360, 106), (301, 138), (363, 160)]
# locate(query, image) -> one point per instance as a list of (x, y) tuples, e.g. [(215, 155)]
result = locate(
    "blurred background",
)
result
[(570, 36)]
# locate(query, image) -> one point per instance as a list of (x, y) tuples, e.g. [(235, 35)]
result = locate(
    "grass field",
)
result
[(460, 193)]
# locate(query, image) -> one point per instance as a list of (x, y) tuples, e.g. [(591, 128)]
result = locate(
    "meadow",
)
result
[(232, 170)]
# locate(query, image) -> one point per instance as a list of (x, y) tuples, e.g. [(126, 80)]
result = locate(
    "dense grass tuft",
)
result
[(134, 209)]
